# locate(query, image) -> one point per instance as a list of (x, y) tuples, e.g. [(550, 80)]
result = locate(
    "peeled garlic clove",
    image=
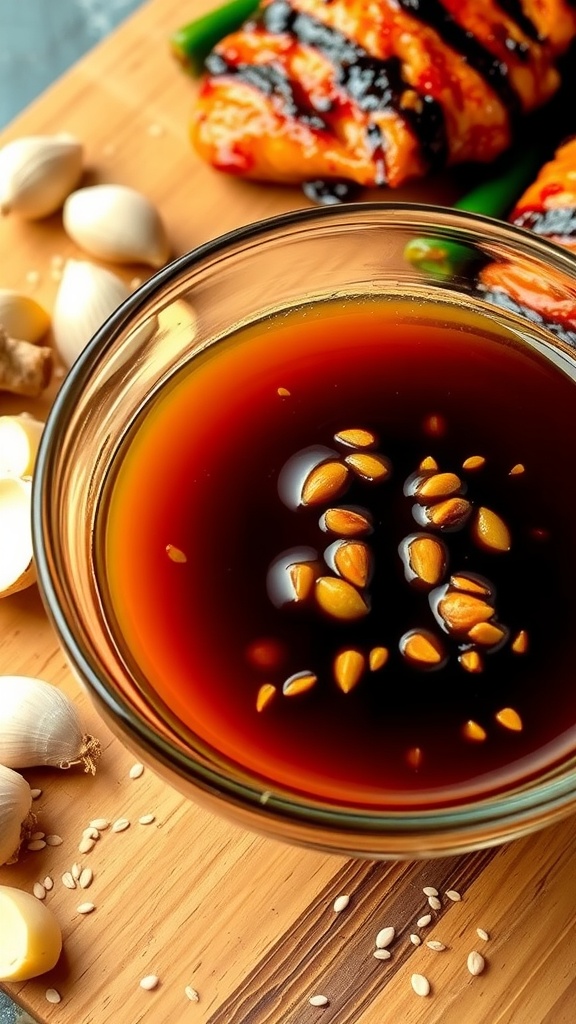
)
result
[(16, 817), (37, 173), (116, 223), (17, 568), (39, 724), (30, 936), (86, 297), (19, 440), (22, 317)]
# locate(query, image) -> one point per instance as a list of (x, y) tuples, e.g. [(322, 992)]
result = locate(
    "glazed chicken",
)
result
[(337, 93), (547, 207)]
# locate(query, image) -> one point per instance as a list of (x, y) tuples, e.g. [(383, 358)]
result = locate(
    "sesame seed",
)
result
[(475, 963), (434, 902), (435, 945), (86, 844), (340, 904), (420, 984), (35, 793), (37, 835), (120, 825), (48, 883), (86, 908), (39, 890), (149, 982), (136, 770), (68, 880), (91, 833), (86, 877), (100, 824), (415, 940), (76, 871), (382, 954), (423, 921), (318, 1000), (35, 845), (54, 840), (52, 995), (482, 934), (384, 937), (146, 819), (453, 895), (429, 890), (191, 994)]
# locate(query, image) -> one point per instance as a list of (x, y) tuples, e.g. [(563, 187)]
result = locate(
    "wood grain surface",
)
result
[(247, 922)]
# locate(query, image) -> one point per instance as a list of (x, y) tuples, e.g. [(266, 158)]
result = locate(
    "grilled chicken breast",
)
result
[(374, 92), (547, 207)]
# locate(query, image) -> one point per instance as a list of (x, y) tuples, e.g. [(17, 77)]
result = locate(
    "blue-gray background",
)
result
[(39, 40)]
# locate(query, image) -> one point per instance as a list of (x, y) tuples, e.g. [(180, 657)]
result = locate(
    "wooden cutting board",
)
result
[(247, 922)]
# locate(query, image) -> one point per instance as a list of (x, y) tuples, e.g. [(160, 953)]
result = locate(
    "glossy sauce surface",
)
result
[(198, 514)]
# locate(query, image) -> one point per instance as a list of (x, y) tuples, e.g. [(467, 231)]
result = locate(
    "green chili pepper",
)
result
[(493, 198), (192, 43)]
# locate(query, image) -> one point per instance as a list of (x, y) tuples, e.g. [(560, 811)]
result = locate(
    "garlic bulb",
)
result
[(22, 317), (86, 297), (17, 568), (116, 223), (37, 173), (30, 936), (16, 818), (19, 441), (39, 724)]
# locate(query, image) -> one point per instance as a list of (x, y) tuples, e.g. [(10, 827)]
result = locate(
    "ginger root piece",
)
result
[(25, 369)]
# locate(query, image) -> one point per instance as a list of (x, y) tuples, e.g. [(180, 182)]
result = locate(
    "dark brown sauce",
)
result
[(209, 470)]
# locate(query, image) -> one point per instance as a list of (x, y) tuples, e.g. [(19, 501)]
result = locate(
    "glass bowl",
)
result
[(414, 255)]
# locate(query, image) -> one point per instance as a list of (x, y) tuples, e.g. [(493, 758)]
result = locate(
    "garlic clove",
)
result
[(16, 817), (86, 297), (37, 172), (17, 568), (19, 441), (116, 223), (30, 936), (39, 725), (22, 317)]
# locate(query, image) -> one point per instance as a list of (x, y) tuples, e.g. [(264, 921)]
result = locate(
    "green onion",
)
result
[(192, 43), (492, 198)]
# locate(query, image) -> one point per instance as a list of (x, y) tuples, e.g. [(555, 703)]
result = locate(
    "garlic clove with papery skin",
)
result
[(16, 817), (17, 567), (116, 223), (22, 317), (37, 172), (19, 440), (86, 297), (39, 725)]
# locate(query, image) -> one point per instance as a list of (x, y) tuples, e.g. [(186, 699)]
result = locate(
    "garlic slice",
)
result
[(19, 441), (17, 568), (86, 297), (16, 817), (39, 725), (116, 223), (37, 172), (22, 317), (30, 936)]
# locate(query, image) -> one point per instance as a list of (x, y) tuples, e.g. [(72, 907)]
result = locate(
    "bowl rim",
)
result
[(553, 797)]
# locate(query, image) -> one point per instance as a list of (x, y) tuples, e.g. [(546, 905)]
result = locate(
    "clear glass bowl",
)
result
[(195, 302)]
